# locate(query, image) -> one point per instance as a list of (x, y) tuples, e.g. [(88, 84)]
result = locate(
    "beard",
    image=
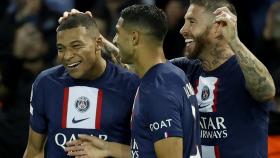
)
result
[(200, 42)]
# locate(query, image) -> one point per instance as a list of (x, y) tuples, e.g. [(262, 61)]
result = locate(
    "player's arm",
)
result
[(169, 147), (92, 147), (35, 145), (165, 109), (257, 78)]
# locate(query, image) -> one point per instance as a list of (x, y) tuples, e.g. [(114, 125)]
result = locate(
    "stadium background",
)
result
[(27, 46)]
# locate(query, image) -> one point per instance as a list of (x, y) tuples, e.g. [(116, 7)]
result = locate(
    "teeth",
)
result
[(189, 40), (73, 64)]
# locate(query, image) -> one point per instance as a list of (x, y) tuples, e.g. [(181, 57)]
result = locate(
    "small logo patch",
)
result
[(82, 104), (205, 93), (77, 121)]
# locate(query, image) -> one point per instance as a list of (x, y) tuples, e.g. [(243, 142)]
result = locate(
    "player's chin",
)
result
[(75, 75)]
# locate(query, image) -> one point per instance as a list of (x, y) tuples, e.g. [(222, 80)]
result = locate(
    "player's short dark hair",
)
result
[(77, 20), (147, 17), (212, 5)]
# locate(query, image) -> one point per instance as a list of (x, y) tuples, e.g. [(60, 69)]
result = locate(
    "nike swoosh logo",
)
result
[(77, 121), (200, 107)]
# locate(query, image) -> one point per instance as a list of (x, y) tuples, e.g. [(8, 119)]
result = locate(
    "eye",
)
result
[(59, 49), (76, 46)]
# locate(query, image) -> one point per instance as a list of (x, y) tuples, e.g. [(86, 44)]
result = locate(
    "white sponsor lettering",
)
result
[(213, 134), (134, 149), (159, 125), (189, 90), (61, 139), (213, 127), (209, 123)]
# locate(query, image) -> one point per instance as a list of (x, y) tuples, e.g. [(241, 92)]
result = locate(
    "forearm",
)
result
[(119, 150), (110, 47), (33, 153), (257, 78)]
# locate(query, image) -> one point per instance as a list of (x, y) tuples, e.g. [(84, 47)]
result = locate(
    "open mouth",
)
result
[(73, 65), (188, 41)]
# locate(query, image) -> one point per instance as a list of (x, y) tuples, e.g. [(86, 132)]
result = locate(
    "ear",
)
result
[(99, 43), (135, 38), (216, 30)]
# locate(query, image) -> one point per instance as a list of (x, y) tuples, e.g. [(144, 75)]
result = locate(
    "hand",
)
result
[(270, 20), (72, 12), (88, 147), (227, 24)]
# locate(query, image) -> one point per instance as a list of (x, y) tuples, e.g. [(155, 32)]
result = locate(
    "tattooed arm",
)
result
[(110, 47), (257, 78)]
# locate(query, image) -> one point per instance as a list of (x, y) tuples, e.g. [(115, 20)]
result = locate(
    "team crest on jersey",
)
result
[(205, 93), (82, 104)]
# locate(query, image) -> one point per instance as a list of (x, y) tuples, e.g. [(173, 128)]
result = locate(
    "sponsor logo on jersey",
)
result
[(189, 90), (212, 127), (61, 139), (161, 124), (134, 149), (82, 104)]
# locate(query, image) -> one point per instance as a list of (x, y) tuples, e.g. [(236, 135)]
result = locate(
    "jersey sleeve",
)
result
[(38, 121), (163, 115)]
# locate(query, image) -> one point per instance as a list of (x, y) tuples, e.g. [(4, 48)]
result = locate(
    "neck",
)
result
[(213, 57), (147, 58), (98, 69)]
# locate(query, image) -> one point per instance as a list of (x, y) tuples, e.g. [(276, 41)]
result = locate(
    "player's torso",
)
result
[(232, 123), (101, 108), (142, 145)]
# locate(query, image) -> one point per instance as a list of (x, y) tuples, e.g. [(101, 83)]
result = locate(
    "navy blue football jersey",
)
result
[(232, 123), (63, 107), (165, 106)]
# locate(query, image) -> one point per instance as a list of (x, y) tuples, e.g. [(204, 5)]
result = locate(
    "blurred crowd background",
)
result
[(28, 46)]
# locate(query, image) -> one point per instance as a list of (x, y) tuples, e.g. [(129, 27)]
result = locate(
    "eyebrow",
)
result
[(191, 18), (59, 45), (76, 41)]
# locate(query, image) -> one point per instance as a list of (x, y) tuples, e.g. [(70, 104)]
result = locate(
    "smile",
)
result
[(73, 65)]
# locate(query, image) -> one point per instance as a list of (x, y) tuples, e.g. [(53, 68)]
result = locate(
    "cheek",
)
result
[(59, 57)]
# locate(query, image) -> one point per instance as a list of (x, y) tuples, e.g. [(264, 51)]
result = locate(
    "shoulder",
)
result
[(165, 76), (49, 74), (125, 79), (184, 62), (191, 68)]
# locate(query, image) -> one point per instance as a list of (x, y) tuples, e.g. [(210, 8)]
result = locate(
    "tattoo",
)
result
[(112, 52), (257, 78), (217, 57)]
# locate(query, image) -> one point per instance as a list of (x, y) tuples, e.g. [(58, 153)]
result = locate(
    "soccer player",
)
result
[(85, 95), (231, 84), (164, 120)]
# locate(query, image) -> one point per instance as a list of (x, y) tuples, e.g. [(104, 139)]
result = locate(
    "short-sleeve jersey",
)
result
[(165, 106), (232, 123), (63, 107)]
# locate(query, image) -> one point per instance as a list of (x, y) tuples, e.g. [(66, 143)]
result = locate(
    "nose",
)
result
[(184, 30), (68, 54)]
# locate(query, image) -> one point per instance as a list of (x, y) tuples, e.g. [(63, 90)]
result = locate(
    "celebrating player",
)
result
[(164, 119), (232, 85), (84, 95)]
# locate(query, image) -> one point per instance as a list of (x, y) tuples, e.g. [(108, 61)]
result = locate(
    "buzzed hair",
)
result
[(77, 20), (212, 5), (147, 17)]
